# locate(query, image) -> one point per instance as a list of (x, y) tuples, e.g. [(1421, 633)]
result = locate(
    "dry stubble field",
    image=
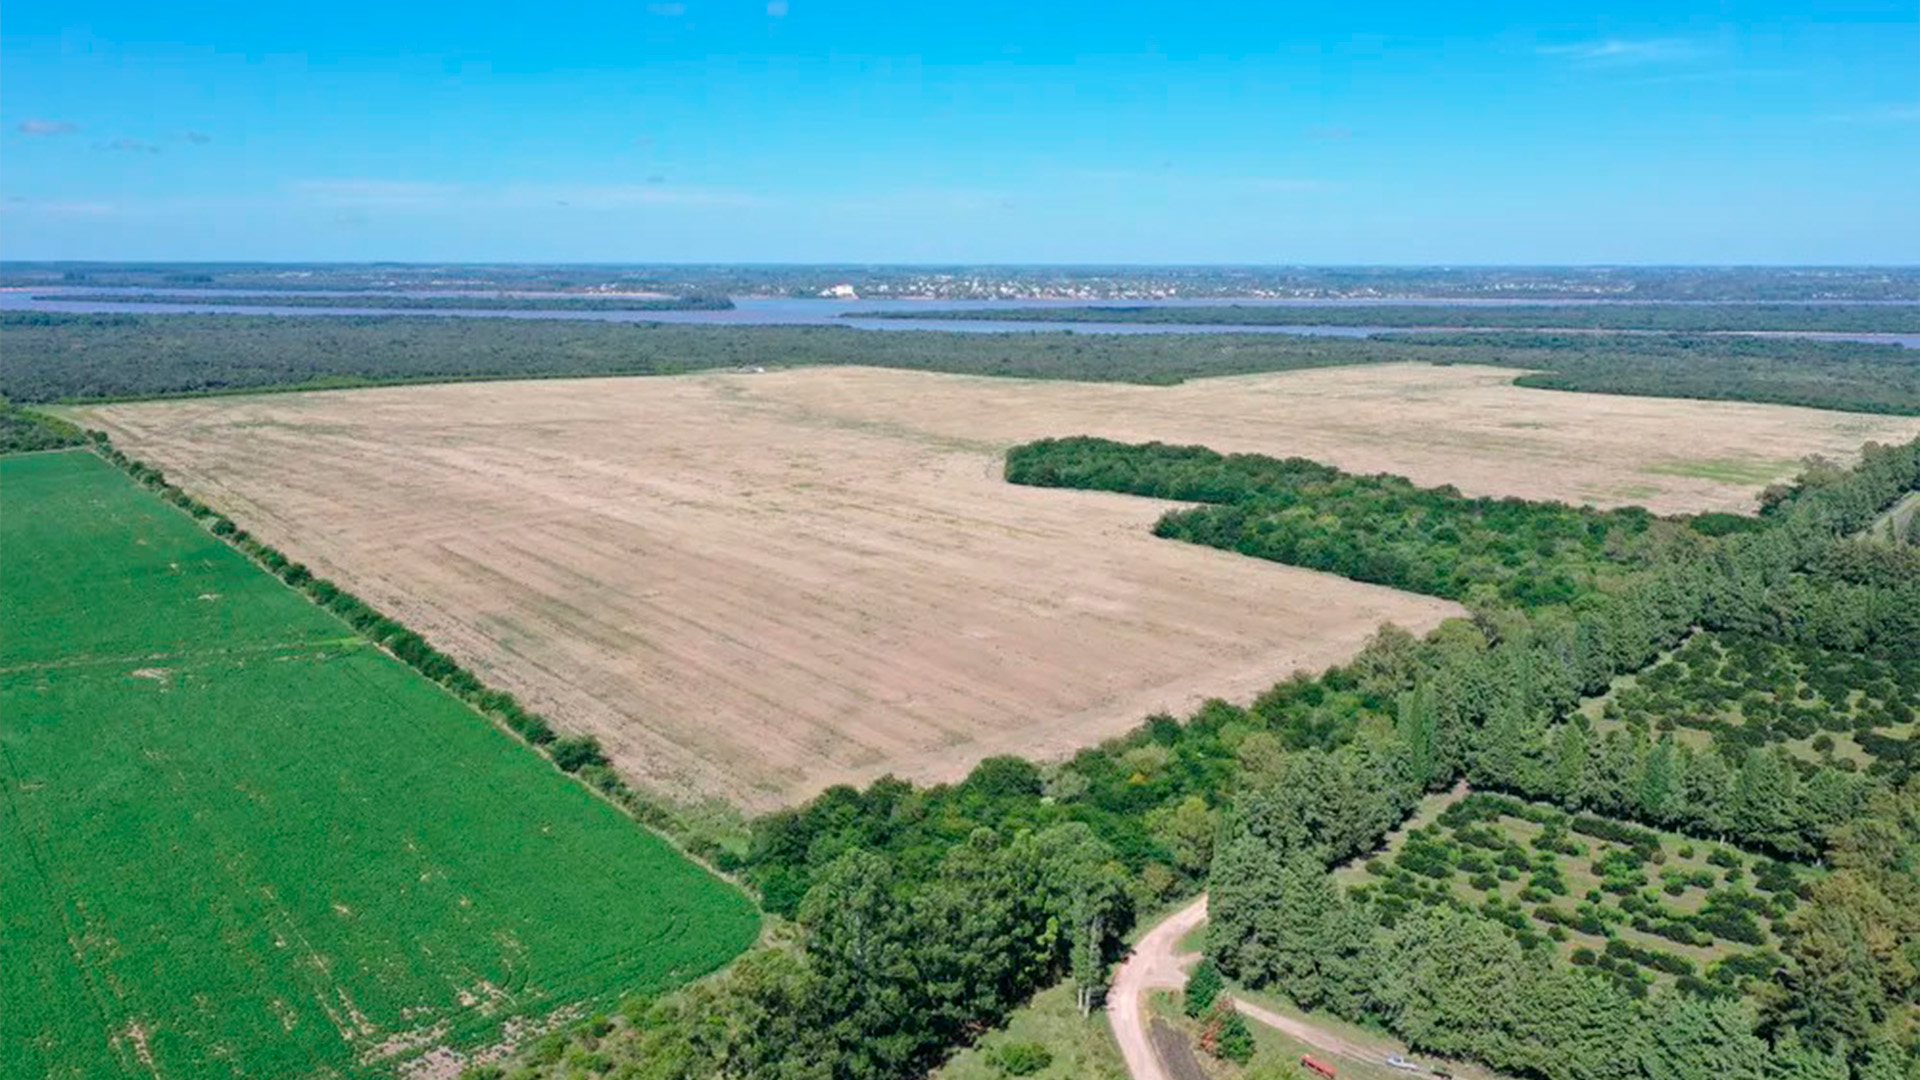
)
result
[(754, 585)]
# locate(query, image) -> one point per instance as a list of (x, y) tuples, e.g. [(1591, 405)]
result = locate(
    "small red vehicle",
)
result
[(1316, 1065)]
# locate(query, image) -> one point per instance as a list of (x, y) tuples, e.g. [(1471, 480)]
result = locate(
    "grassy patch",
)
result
[(1731, 470), (1082, 1048), (237, 837)]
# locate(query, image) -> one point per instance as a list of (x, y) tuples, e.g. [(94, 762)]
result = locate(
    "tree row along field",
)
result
[(1259, 802), (90, 357), (240, 840), (1611, 315)]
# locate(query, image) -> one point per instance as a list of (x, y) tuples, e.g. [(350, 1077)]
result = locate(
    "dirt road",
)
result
[(1154, 965)]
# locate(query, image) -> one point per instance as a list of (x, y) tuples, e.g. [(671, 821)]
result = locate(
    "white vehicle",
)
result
[(1397, 1062)]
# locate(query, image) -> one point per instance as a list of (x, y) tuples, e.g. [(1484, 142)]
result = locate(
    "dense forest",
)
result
[(1818, 374), (1612, 315), (1257, 804), (71, 357), (398, 302)]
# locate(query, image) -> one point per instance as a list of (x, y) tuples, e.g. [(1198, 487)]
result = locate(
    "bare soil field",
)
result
[(754, 585)]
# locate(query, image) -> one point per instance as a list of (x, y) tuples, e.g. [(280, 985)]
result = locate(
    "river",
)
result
[(785, 311)]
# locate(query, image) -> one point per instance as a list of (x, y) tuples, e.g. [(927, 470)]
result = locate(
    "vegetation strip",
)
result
[(126, 357), (1605, 315), (407, 303)]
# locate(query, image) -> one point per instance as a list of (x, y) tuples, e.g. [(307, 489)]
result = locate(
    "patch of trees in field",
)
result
[(23, 430), (398, 302), (111, 357), (1612, 315), (1380, 529)]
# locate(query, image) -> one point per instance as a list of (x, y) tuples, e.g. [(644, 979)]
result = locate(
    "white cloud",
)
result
[(1625, 52), (48, 127)]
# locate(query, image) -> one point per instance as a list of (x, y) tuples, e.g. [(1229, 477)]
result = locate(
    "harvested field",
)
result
[(755, 585)]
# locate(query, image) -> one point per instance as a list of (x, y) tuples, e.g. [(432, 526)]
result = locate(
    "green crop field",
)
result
[(236, 840)]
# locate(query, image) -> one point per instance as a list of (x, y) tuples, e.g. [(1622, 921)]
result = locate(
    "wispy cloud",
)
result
[(197, 138), (777, 8), (670, 11), (64, 208), (1627, 52), (1903, 113), (1281, 184), (372, 193), (365, 194), (48, 127), (125, 145), (654, 192), (1715, 75)]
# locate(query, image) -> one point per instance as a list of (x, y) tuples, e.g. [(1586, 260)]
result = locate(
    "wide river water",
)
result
[(784, 311)]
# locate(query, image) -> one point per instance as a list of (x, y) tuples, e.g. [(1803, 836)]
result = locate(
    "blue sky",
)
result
[(809, 130)]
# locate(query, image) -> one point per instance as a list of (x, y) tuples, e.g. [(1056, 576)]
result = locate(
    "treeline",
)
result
[(23, 430), (104, 357), (1380, 529), (1602, 315), (1817, 374), (93, 357), (396, 302), (580, 755)]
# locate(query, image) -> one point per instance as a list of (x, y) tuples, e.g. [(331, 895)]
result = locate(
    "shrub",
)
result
[(1203, 988), (1226, 1035), (1022, 1058), (576, 752)]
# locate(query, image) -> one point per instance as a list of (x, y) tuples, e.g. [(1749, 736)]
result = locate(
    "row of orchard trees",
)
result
[(1499, 712), (1456, 982)]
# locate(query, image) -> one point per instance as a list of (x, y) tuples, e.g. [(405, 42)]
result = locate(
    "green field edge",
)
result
[(672, 840)]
